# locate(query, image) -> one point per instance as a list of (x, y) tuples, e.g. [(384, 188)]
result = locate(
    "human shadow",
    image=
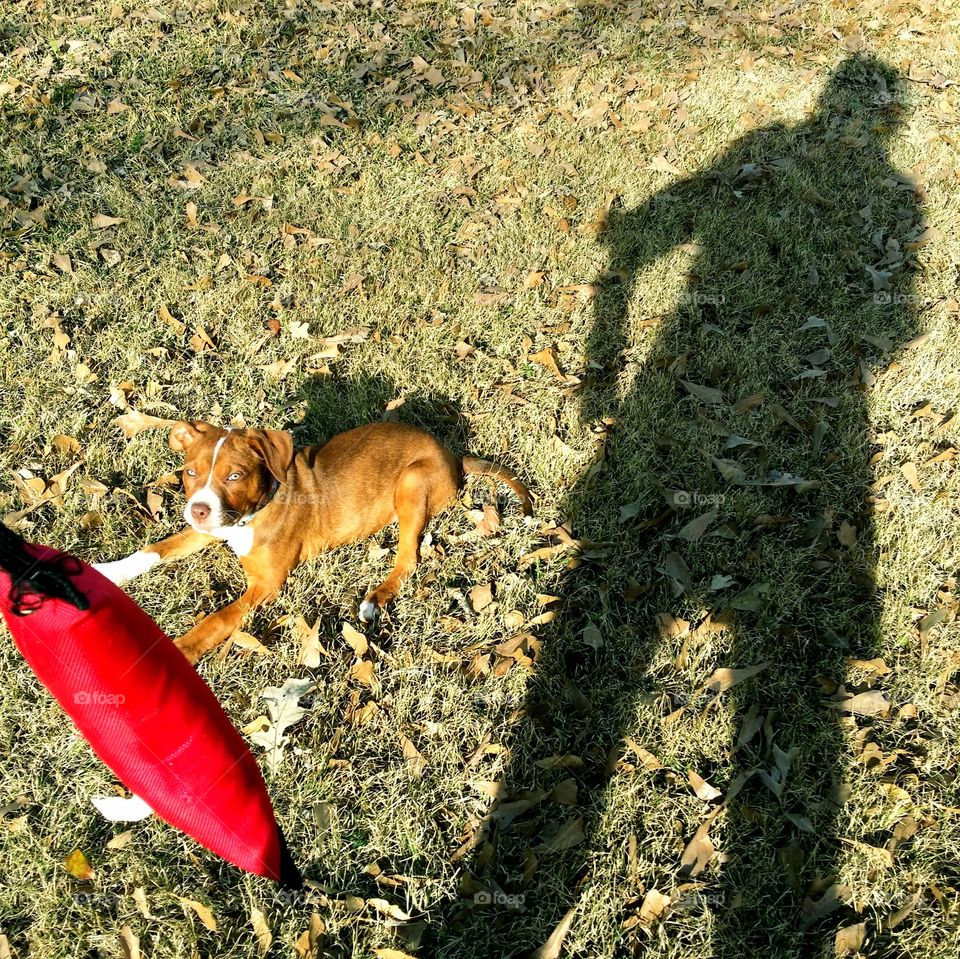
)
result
[(724, 524)]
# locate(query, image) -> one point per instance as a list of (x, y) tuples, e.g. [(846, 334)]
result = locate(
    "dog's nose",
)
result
[(199, 511)]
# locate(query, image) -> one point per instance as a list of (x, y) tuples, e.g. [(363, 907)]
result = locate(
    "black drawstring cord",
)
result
[(32, 580)]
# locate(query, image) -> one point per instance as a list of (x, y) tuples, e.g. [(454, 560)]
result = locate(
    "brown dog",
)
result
[(276, 507)]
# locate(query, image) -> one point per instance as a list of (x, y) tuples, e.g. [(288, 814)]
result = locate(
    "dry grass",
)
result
[(450, 199)]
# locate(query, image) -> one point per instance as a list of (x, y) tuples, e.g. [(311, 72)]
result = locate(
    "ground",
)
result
[(689, 270)]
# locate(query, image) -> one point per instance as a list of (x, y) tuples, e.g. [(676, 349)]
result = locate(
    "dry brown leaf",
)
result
[(552, 947), (355, 640), (310, 647), (65, 444), (647, 759), (894, 919), (909, 470), (133, 422), (120, 840), (873, 702), (849, 939), (363, 672), (309, 941), (699, 851), (481, 597), (548, 358), (203, 912), (261, 930), (724, 679), (416, 762), (653, 907), (129, 943), (570, 834), (247, 641), (140, 899), (702, 788), (101, 221), (201, 341)]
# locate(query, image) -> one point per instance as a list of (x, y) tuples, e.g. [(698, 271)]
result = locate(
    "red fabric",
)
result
[(150, 717)]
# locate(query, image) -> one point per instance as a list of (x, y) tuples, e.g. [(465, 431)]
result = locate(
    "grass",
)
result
[(662, 195)]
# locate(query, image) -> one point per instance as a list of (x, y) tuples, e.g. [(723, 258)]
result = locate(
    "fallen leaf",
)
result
[(355, 639), (261, 930), (702, 788), (284, 708), (723, 679), (874, 702), (101, 221), (909, 470), (895, 918), (133, 422), (129, 943), (203, 912), (547, 358), (248, 641), (698, 852), (849, 939), (552, 948), (653, 906), (647, 759), (695, 529), (78, 865), (481, 597), (706, 394), (570, 834), (416, 762), (592, 636), (120, 840)]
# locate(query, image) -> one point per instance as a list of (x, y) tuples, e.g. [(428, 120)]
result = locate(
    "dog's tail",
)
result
[(472, 466)]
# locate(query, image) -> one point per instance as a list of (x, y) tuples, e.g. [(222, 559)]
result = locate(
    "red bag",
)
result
[(150, 717)]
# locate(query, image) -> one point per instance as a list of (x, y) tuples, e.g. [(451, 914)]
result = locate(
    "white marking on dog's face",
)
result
[(208, 497), (123, 570), (368, 611)]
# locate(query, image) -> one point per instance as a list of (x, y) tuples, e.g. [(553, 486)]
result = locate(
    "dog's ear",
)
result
[(275, 448), (185, 432)]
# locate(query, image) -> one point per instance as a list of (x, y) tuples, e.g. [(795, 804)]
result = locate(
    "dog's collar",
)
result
[(264, 501)]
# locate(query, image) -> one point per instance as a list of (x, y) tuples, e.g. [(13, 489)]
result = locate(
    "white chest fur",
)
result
[(238, 538)]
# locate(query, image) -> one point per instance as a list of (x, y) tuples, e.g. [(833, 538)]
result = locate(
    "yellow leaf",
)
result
[(203, 912), (78, 865)]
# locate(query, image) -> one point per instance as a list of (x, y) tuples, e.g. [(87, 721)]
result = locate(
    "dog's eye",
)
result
[(234, 476), (191, 472)]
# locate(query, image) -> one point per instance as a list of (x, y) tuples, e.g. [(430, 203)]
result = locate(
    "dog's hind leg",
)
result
[(421, 492)]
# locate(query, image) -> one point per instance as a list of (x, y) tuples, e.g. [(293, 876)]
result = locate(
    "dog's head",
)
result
[(228, 474)]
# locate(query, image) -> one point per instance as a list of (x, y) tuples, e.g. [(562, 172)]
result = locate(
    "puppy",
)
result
[(275, 506)]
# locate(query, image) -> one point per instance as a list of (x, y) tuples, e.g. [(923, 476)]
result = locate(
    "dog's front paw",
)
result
[(123, 570)]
